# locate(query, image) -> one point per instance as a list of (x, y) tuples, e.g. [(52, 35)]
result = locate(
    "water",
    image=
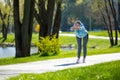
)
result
[(10, 51)]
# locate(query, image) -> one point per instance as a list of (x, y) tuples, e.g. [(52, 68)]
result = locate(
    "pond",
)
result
[(10, 51)]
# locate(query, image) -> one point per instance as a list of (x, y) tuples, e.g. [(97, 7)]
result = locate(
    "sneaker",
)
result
[(83, 60), (78, 61)]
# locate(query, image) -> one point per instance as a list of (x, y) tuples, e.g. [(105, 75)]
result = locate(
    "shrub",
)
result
[(48, 46)]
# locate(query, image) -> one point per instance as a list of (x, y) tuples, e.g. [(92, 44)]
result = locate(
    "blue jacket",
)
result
[(82, 32)]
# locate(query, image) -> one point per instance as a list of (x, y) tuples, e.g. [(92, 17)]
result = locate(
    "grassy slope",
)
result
[(104, 71)]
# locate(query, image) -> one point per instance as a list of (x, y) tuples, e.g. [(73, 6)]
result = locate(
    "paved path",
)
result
[(91, 36), (53, 65)]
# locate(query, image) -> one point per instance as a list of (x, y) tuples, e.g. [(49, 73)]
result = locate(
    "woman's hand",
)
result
[(71, 28)]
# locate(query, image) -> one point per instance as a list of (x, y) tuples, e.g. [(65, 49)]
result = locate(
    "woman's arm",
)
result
[(75, 28)]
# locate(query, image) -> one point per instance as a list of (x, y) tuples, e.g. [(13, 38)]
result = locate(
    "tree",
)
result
[(76, 9), (57, 21), (5, 14), (119, 12), (23, 29), (46, 17), (67, 14), (108, 13), (4, 26)]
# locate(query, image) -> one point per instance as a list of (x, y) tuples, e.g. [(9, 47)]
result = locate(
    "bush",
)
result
[(48, 46)]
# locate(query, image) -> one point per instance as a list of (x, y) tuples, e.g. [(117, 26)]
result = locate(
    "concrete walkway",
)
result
[(53, 65), (91, 36)]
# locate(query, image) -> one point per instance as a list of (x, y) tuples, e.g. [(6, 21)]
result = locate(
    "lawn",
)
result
[(95, 47), (10, 38), (95, 33), (99, 33), (102, 33), (103, 71)]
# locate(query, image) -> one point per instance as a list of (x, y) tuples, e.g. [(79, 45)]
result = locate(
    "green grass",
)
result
[(99, 33), (63, 54), (101, 47), (67, 40), (95, 33), (102, 33), (10, 38), (97, 43), (103, 71), (95, 46)]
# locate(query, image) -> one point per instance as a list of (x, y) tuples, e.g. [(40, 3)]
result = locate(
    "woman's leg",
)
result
[(79, 46), (85, 40)]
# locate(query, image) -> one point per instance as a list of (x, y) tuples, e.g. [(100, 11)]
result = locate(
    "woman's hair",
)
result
[(78, 22)]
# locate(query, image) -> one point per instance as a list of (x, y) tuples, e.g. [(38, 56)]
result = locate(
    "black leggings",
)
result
[(79, 42)]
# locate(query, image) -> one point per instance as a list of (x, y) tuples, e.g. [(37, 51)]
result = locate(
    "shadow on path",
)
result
[(67, 64)]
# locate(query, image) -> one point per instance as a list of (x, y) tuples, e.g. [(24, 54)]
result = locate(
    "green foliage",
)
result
[(104, 71), (48, 46), (79, 2)]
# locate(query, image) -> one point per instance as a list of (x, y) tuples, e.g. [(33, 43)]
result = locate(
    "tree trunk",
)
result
[(105, 22), (31, 23), (45, 17), (50, 14), (107, 18), (57, 20), (110, 13), (42, 18), (4, 26), (17, 26), (23, 32), (25, 28), (115, 21), (119, 14), (110, 26)]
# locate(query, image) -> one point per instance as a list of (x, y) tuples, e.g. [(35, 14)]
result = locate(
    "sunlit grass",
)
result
[(102, 33), (96, 33), (10, 38), (63, 54), (104, 71), (95, 46)]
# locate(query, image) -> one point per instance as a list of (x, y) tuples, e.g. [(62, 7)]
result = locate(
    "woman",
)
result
[(81, 36)]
